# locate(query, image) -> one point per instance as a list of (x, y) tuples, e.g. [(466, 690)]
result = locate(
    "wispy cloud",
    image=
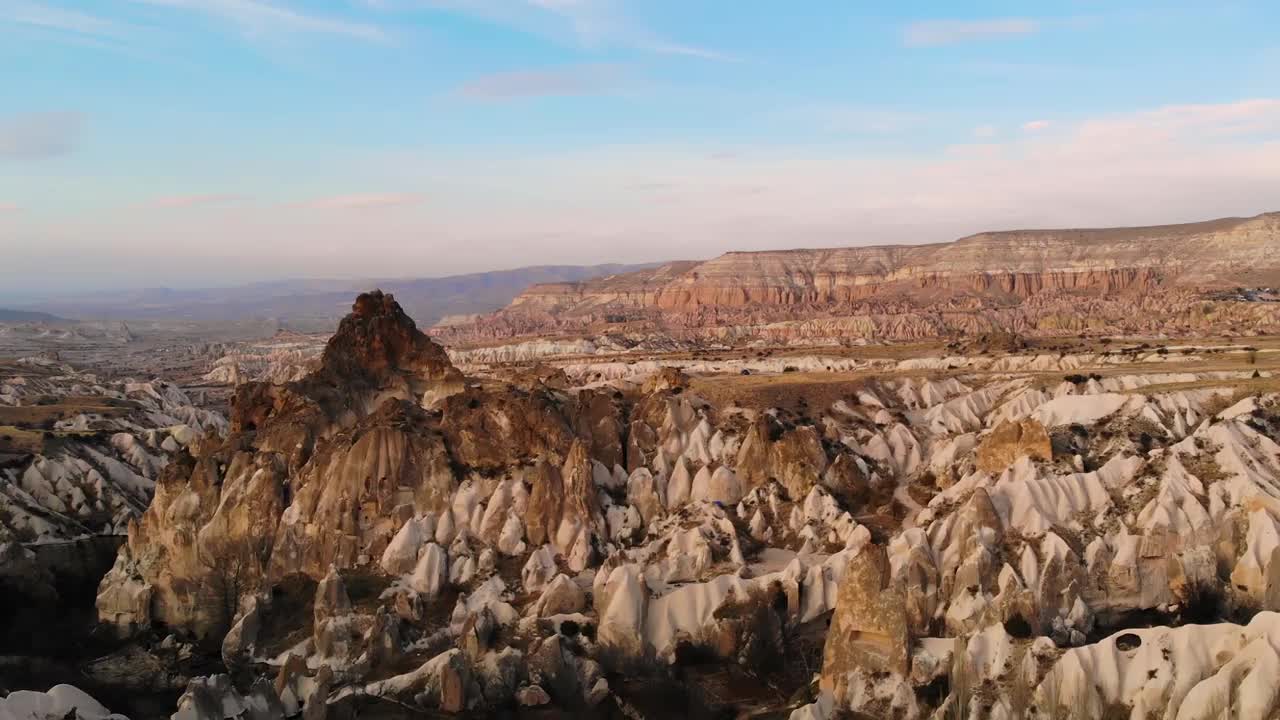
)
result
[(6, 207), (364, 201), (666, 48), (985, 131), (39, 135), (932, 33), (1218, 122), (256, 17), (1035, 125), (168, 202), (590, 23), (48, 17), (574, 80)]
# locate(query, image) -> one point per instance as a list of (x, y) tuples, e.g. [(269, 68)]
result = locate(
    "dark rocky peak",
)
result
[(377, 354), (378, 339)]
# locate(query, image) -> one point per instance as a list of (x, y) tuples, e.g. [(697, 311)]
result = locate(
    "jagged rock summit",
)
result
[(345, 448), (378, 353), (378, 342)]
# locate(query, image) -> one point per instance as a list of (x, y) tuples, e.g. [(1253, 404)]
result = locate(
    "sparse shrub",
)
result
[(1018, 627), (617, 661), (1203, 602), (762, 645)]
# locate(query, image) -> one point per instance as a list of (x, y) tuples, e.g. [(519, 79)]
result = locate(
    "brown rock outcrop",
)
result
[(795, 457), (1012, 440), (342, 448), (869, 631)]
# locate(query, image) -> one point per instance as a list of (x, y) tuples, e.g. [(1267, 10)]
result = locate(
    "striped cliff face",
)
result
[(907, 292)]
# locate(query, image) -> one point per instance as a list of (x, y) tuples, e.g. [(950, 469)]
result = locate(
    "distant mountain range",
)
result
[(318, 304), (12, 316), (1131, 280)]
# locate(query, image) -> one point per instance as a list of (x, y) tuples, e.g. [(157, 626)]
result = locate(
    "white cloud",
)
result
[(257, 17), (48, 17), (932, 33), (1259, 116), (591, 23), (1034, 125)]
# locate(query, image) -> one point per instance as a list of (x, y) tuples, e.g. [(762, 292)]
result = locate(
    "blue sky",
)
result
[(209, 142)]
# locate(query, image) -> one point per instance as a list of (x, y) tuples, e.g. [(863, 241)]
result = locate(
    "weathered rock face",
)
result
[(325, 471), (351, 497), (795, 458), (492, 429), (1037, 281), (1012, 440), (868, 633), (347, 449)]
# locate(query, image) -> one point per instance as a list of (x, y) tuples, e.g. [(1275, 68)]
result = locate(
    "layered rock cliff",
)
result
[(1033, 280)]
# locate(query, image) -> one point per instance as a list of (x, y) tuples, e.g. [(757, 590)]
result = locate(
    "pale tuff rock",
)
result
[(124, 598), (644, 493), (721, 486), (59, 703), (539, 570), (215, 698), (401, 555), (490, 596), (238, 644), (679, 486), (561, 596), (1196, 672), (440, 682), (431, 571), (622, 604)]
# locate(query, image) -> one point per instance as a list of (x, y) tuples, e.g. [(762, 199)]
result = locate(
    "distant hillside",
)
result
[(1129, 280), (318, 304), (7, 315)]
